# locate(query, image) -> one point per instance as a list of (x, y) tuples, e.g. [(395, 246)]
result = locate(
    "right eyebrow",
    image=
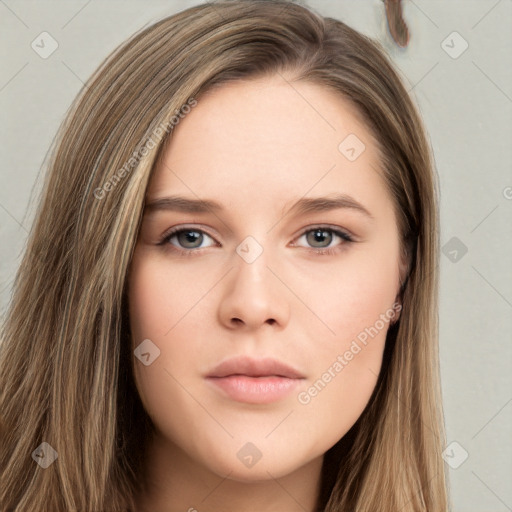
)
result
[(182, 204)]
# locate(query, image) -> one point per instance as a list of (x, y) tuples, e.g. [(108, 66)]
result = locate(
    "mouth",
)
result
[(256, 381)]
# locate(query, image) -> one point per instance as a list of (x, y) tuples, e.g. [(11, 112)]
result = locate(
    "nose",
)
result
[(253, 296)]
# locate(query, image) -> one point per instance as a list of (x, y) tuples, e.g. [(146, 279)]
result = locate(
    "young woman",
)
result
[(228, 300)]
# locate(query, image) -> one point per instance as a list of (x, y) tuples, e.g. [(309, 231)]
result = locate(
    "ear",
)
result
[(397, 309), (404, 268), (403, 271)]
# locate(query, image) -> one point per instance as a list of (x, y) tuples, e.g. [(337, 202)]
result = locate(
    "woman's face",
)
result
[(291, 295)]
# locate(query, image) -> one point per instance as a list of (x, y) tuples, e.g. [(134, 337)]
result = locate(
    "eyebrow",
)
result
[(324, 204), (182, 204), (302, 206)]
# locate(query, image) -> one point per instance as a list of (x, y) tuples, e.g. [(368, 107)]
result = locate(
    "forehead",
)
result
[(270, 139)]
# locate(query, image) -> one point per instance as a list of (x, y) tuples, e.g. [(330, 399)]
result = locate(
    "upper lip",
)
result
[(250, 367)]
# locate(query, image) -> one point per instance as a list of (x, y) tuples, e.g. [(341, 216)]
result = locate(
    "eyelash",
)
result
[(164, 242)]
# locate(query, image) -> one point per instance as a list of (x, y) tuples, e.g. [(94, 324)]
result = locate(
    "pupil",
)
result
[(189, 237), (318, 236)]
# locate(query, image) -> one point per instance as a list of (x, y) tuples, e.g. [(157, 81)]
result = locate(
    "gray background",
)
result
[(466, 102)]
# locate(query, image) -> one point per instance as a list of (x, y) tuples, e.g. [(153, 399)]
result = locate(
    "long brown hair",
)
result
[(66, 363)]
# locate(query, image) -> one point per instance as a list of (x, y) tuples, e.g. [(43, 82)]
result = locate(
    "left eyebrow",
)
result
[(324, 204)]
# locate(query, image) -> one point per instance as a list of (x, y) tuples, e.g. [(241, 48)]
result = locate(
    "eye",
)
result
[(182, 239), (188, 241), (319, 238)]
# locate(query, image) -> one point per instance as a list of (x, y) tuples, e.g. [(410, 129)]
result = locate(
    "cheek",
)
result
[(346, 298), (346, 358), (162, 295), (343, 380), (166, 307), (344, 373)]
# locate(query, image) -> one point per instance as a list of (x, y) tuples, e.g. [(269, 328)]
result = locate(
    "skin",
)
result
[(256, 147)]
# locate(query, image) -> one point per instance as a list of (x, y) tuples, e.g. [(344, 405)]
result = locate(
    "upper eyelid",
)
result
[(177, 229)]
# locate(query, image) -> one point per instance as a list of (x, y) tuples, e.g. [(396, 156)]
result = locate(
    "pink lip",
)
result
[(257, 381)]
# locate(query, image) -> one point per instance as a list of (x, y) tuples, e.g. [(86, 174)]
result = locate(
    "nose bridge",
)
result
[(251, 259), (254, 295), (251, 251)]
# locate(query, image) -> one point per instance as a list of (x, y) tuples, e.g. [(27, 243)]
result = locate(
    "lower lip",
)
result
[(255, 390)]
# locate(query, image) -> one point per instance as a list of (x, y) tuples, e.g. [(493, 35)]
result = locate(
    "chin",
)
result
[(264, 469)]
